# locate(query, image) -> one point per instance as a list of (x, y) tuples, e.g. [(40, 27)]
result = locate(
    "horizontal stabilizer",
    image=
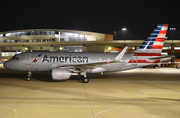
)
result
[(156, 58)]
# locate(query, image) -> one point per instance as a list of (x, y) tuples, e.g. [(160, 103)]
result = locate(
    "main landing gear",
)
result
[(29, 76), (84, 77)]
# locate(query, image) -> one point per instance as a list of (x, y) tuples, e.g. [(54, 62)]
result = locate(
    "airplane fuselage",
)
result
[(49, 60)]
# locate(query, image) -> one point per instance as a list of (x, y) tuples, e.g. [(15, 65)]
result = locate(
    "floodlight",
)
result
[(124, 29)]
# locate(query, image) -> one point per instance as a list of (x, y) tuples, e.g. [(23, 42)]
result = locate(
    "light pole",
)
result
[(115, 35), (172, 46), (172, 29), (124, 29)]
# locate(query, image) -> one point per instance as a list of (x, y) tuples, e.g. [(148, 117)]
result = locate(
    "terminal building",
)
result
[(13, 42)]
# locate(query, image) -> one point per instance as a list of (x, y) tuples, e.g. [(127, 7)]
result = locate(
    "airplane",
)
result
[(64, 65)]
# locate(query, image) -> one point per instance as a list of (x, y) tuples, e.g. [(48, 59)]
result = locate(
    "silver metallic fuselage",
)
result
[(50, 60)]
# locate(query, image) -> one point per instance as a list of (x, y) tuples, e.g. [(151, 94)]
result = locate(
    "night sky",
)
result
[(139, 17)]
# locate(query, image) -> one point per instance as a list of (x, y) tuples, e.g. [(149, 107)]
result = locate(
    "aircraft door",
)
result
[(134, 59), (28, 59)]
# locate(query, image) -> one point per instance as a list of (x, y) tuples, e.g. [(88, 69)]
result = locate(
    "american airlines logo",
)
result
[(36, 59), (65, 59)]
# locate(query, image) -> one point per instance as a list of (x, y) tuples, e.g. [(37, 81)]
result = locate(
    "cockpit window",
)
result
[(15, 58)]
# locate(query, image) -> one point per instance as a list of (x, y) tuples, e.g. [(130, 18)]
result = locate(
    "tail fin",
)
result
[(154, 43)]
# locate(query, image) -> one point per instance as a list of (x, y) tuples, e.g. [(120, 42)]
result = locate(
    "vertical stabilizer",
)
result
[(154, 43)]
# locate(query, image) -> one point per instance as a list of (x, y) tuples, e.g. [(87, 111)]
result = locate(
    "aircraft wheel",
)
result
[(29, 76), (28, 79), (85, 80)]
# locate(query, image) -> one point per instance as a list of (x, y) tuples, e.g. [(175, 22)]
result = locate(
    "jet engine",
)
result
[(60, 74)]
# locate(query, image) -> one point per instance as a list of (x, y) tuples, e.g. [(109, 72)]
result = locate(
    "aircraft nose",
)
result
[(5, 64)]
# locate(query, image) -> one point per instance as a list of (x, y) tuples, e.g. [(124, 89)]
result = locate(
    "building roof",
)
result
[(58, 30)]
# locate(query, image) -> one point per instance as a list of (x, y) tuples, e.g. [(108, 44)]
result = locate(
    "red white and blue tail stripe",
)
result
[(151, 47), (154, 43)]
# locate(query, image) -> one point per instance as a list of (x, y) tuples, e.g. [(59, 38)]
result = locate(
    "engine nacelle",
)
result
[(60, 74)]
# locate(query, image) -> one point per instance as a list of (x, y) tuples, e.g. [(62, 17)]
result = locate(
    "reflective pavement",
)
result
[(140, 93)]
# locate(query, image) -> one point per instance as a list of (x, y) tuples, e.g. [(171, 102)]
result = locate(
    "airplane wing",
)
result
[(83, 67), (156, 58)]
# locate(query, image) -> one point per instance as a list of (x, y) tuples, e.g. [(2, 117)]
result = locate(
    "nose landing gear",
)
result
[(84, 77), (29, 76)]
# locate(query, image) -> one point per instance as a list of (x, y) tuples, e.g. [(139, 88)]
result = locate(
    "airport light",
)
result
[(60, 48), (124, 29), (109, 48), (26, 48), (172, 29), (75, 35)]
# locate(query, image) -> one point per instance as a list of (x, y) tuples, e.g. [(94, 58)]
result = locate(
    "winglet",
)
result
[(121, 54)]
